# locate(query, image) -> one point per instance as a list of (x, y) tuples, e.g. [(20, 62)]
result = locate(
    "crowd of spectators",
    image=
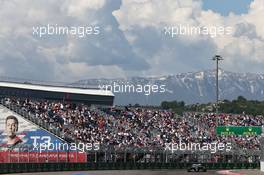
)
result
[(210, 121), (137, 127)]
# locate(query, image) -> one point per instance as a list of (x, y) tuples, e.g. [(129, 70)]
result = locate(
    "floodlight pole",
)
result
[(217, 58)]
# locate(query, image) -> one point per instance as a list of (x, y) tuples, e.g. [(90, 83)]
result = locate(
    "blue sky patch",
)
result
[(224, 7)]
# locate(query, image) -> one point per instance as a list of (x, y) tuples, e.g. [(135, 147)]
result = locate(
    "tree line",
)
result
[(237, 106)]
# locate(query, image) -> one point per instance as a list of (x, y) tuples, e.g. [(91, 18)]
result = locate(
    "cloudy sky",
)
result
[(131, 40)]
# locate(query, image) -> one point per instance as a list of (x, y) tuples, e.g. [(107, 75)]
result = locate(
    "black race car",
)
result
[(197, 167)]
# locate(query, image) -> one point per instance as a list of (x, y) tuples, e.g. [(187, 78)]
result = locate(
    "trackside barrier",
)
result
[(52, 167)]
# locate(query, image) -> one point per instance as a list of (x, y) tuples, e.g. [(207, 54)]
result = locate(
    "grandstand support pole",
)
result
[(28, 153), (105, 157), (125, 156), (95, 157), (57, 155), (18, 158), (261, 141), (217, 58)]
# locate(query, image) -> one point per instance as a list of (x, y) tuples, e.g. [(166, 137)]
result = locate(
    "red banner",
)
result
[(35, 157)]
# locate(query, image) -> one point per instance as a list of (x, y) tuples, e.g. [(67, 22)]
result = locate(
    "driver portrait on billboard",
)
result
[(11, 128)]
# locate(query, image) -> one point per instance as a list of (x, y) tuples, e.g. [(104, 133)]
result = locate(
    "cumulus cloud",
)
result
[(131, 40), (145, 13), (191, 52), (80, 7), (83, 71), (58, 57)]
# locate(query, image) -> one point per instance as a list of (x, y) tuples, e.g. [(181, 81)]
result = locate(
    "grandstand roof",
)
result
[(50, 88)]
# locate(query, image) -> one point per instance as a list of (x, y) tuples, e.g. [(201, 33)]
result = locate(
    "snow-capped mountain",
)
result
[(197, 87)]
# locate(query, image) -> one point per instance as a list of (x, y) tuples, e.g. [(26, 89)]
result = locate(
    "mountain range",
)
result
[(192, 87)]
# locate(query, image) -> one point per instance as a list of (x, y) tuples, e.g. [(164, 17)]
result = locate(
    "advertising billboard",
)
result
[(239, 130), (23, 141)]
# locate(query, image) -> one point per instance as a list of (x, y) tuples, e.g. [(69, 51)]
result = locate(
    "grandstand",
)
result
[(127, 136), (87, 96)]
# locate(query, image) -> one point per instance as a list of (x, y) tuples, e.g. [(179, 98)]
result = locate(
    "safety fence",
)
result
[(28, 155), (52, 167)]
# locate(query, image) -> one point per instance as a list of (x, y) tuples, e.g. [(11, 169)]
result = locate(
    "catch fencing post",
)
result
[(261, 140)]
